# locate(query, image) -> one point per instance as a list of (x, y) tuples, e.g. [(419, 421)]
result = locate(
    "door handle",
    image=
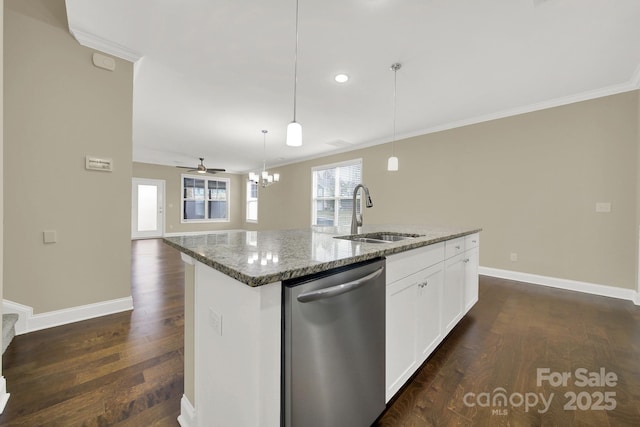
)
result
[(338, 289)]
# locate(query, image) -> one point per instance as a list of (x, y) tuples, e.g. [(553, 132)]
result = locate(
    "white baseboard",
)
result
[(4, 396), (187, 416), (570, 285), (29, 322)]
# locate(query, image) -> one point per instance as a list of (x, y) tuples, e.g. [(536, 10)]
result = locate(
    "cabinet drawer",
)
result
[(453, 247), (406, 263), (471, 241)]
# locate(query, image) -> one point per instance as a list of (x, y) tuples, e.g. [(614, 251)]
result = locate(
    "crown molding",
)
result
[(632, 84), (93, 41)]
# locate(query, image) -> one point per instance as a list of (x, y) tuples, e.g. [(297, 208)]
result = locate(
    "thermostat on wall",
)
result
[(104, 62), (98, 164)]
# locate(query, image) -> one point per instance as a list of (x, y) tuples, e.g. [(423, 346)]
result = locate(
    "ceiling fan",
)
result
[(201, 168)]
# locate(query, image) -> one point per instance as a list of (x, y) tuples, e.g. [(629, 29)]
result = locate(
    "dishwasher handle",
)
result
[(338, 289)]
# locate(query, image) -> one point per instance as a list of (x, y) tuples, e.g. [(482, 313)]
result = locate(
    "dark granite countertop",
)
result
[(260, 257)]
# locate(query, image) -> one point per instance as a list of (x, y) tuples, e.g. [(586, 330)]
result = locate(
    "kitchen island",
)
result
[(237, 307)]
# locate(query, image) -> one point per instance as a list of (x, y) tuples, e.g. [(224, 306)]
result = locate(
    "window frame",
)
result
[(336, 197), (249, 199), (206, 180)]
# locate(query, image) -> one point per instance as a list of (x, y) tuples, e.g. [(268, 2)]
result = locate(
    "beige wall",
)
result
[(59, 108), (172, 178), (1, 160), (531, 181)]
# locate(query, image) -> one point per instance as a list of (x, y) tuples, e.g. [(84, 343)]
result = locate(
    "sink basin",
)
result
[(362, 239), (381, 237)]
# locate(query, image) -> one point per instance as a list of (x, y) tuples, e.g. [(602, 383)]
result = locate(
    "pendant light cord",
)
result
[(395, 67), (395, 89), (264, 150), (295, 68)]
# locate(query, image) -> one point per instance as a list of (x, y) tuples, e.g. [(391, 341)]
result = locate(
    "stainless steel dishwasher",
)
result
[(334, 347)]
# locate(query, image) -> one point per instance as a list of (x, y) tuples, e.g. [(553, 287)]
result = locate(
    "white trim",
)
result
[(570, 285), (196, 233), (187, 259), (187, 416), (87, 39), (351, 162), (4, 396), (29, 322), (637, 299)]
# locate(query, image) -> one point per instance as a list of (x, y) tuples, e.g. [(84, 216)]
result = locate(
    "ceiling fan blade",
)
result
[(191, 169), (214, 170)]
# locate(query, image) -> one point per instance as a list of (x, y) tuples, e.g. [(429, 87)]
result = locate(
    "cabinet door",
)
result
[(400, 333), (471, 278), (452, 292), (428, 310)]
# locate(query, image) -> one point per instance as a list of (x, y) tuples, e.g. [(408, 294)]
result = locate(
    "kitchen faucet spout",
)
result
[(356, 220)]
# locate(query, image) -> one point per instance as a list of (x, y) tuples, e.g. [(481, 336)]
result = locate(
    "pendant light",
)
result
[(264, 178), (294, 129), (392, 163)]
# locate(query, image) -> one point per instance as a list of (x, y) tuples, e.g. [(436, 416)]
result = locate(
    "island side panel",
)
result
[(237, 351), (189, 359)]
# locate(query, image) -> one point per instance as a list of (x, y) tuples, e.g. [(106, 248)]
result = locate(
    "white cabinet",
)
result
[(453, 292), (428, 310), (471, 260), (401, 332), (414, 287), (412, 324), (429, 289)]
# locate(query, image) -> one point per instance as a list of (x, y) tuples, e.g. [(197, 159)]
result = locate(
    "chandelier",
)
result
[(264, 178)]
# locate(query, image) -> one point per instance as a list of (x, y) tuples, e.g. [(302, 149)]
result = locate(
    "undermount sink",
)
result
[(381, 237)]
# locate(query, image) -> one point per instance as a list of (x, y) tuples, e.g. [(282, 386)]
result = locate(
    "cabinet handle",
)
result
[(457, 247), (466, 260), (423, 284)]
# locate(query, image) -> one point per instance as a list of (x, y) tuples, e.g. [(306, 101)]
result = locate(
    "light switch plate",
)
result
[(603, 207)]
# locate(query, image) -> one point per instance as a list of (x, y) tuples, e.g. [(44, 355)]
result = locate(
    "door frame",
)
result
[(160, 183)]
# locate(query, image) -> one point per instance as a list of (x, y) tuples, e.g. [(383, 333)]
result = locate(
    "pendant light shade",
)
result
[(294, 134), (392, 163), (294, 129)]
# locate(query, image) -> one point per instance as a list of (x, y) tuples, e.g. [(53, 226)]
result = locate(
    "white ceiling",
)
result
[(213, 73)]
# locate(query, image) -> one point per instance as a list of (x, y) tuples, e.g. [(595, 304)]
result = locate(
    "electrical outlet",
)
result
[(514, 257), (215, 321), (49, 236)]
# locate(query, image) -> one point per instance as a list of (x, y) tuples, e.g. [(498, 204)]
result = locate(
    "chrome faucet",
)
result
[(356, 220)]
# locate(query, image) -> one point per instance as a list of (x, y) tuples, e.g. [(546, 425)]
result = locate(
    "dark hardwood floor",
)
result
[(127, 369), (124, 369), (514, 330)]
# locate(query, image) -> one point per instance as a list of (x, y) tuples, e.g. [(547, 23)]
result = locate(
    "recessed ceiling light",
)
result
[(341, 78)]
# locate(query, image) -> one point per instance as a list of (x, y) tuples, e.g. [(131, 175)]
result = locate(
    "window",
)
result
[(332, 194), (252, 201), (205, 199)]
